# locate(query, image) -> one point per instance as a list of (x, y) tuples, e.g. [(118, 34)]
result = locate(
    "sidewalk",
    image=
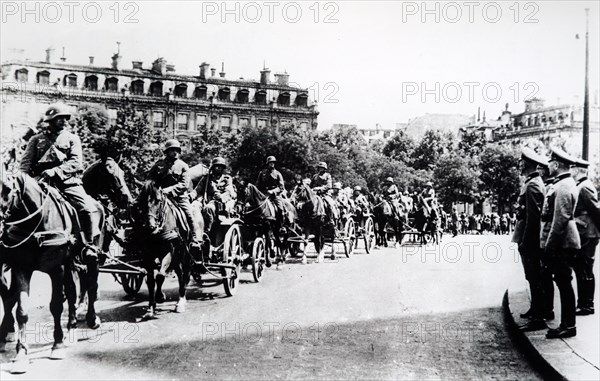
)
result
[(576, 358)]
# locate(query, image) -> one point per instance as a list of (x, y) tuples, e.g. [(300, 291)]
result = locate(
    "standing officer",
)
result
[(173, 176), (216, 190), (270, 181), (562, 238), (55, 156), (587, 217), (527, 236)]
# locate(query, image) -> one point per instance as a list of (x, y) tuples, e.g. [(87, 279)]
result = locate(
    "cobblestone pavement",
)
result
[(409, 313)]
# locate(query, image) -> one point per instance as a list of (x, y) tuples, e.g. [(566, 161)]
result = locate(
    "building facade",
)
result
[(180, 103)]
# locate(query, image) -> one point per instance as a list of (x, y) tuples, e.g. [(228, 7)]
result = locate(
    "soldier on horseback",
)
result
[(217, 192), (270, 181), (172, 175), (321, 183), (360, 204), (54, 156), (428, 195), (391, 194)]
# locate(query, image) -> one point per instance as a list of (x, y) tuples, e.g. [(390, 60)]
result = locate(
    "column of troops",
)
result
[(557, 233)]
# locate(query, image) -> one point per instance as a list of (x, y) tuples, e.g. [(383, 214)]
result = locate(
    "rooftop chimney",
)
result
[(264, 76), (63, 58), (116, 58), (282, 79), (136, 64), (213, 72), (159, 66), (222, 73), (49, 52), (203, 67), (91, 60), (170, 68)]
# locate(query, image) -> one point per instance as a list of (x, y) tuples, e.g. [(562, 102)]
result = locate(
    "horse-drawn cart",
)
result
[(365, 230)]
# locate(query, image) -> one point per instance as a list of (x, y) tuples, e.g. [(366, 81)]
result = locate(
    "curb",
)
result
[(538, 361)]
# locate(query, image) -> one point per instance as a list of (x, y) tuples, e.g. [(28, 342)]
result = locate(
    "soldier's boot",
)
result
[(90, 249), (195, 240)]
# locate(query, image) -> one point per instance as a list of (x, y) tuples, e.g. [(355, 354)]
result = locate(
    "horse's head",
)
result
[(8, 190), (114, 181), (150, 207), (253, 195)]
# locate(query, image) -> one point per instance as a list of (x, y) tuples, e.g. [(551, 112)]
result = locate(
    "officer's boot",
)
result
[(90, 248)]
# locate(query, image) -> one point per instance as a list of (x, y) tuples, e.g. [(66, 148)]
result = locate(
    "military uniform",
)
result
[(527, 237), (173, 176), (322, 183), (270, 181), (59, 155), (587, 217), (561, 239), (218, 193)]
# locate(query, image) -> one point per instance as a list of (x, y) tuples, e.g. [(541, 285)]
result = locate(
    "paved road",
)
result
[(409, 313)]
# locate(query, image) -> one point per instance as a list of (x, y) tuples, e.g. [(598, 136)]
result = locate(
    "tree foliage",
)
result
[(500, 174), (401, 148), (456, 178)]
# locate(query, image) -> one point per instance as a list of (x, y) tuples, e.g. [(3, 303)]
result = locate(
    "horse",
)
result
[(313, 218), (384, 215), (259, 210), (161, 232), (39, 233)]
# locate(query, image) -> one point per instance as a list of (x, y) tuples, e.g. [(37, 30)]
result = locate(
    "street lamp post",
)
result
[(586, 105)]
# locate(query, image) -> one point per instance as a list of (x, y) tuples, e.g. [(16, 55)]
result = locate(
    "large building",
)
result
[(180, 103), (550, 124)]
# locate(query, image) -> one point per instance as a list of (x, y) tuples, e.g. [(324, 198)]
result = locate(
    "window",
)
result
[(261, 122), (260, 97), (112, 115), (200, 121), (137, 87), (304, 125), (182, 121), (242, 96), (226, 123), (200, 92), (302, 100), (43, 78), (112, 84), (91, 83), (21, 75), (283, 99), (181, 90), (244, 122), (285, 122), (158, 119), (156, 89), (71, 80), (224, 94)]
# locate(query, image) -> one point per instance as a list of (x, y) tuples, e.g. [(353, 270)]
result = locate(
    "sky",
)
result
[(365, 62)]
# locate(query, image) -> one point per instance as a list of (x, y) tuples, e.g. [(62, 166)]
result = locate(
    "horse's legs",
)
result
[(56, 308), (92, 289), (71, 295), (9, 299), (21, 282), (151, 283), (179, 269)]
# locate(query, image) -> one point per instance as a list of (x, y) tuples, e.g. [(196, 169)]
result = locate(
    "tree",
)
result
[(429, 149), (472, 143), (139, 144), (456, 178), (400, 147), (209, 143), (90, 124), (500, 174)]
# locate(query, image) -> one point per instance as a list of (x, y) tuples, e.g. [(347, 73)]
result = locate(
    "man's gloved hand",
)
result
[(48, 174)]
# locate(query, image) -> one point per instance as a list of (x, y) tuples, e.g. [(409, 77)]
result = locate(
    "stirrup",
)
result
[(89, 251)]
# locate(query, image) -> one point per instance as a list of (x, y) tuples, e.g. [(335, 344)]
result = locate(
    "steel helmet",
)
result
[(322, 164), (271, 159), (55, 110), (357, 188), (172, 143), (337, 185), (389, 180), (218, 161)]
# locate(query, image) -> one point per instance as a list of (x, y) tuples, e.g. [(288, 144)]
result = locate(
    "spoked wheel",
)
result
[(369, 235), (258, 258), (349, 237), (132, 283), (232, 255)]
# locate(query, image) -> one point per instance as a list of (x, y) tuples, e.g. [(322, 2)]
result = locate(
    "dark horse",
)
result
[(38, 234), (313, 219), (425, 221), (385, 215), (160, 232), (259, 211)]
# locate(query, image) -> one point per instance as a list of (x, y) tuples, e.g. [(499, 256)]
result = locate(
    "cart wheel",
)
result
[(369, 235), (232, 255), (258, 258), (132, 283), (349, 237), (293, 248)]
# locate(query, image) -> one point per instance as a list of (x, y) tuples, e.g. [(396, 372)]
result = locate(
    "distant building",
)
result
[(551, 124), (378, 133), (180, 103), (416, 127), (486, 127)]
